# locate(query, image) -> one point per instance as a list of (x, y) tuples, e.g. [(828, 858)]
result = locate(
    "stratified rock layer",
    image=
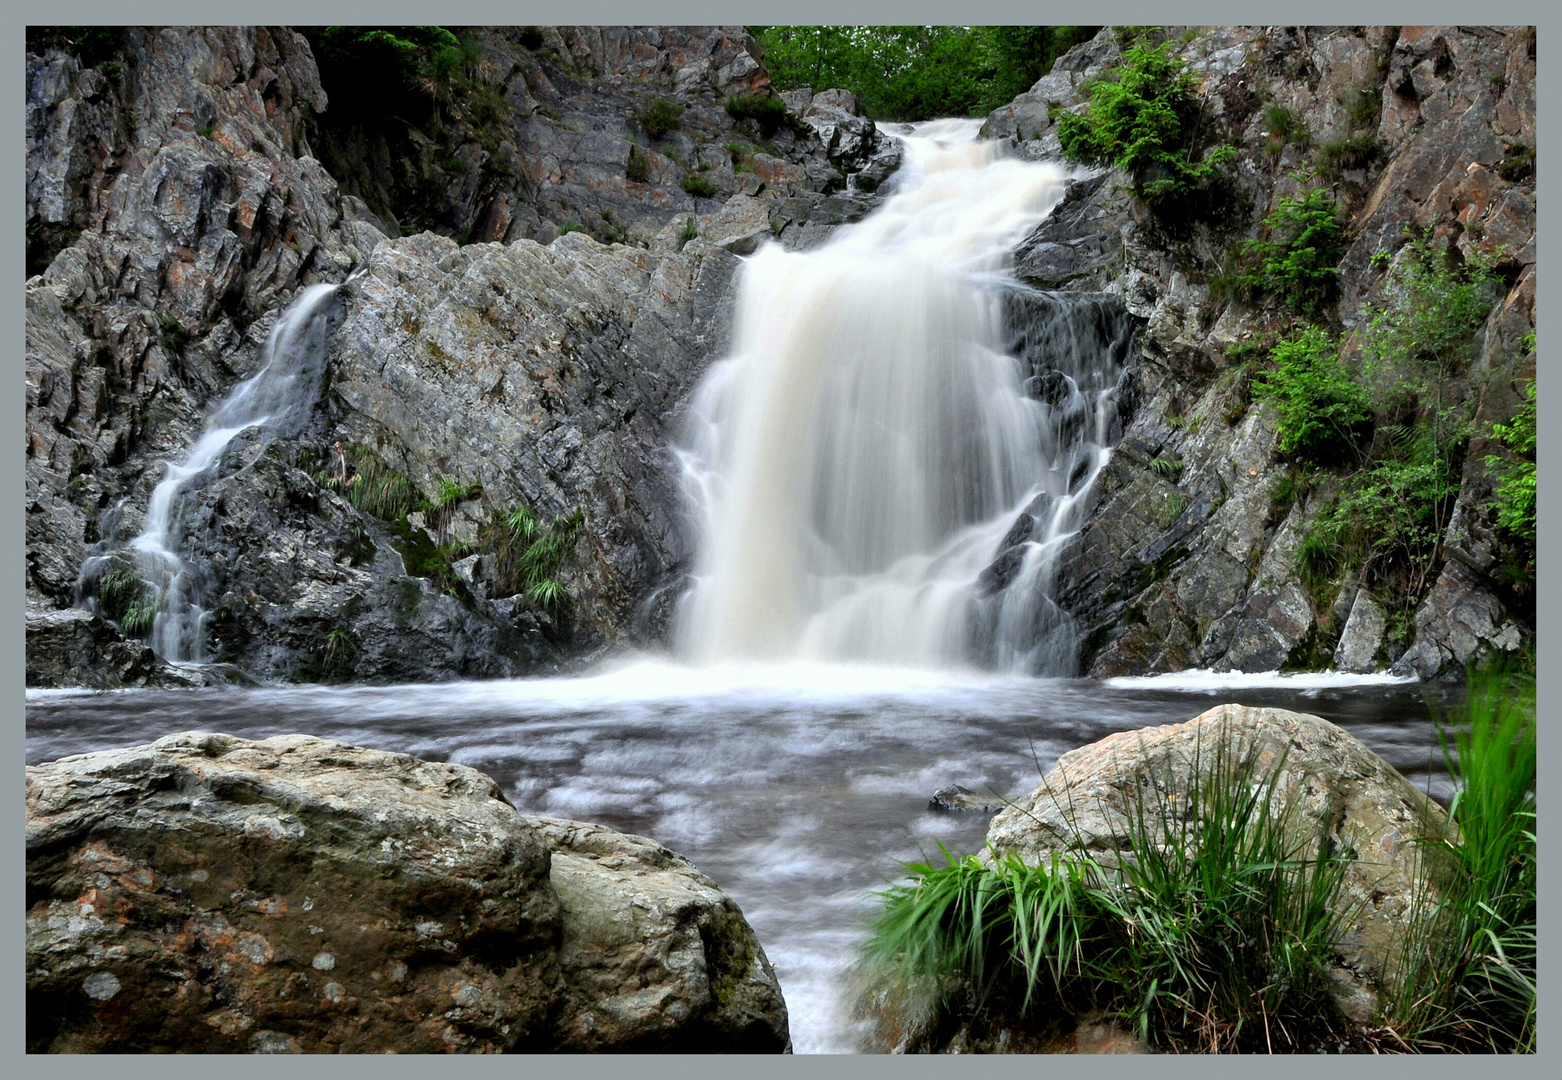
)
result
[(293, 894)]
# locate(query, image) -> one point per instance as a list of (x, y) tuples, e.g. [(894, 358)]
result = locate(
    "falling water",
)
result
[(276, 399), (868, 475)]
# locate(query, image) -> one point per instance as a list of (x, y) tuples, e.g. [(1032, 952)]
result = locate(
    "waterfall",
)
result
[(888, 463), (277, 399)]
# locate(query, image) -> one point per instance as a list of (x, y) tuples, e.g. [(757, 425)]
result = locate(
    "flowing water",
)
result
[(799, 788), (277, 398), (881, 477), (870, 449)]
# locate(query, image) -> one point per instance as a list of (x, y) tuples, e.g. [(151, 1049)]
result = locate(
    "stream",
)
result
[(801, 788)]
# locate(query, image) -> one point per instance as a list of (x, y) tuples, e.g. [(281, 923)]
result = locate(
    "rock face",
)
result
[(1195, 566), (1337, 791), (175, 205), (213, 894)]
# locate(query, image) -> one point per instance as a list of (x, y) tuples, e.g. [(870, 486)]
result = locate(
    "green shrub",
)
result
[(1296, 261), (689, 231), (528, 554), (699, 185), (366, 482), (767, 111), (638, 167), (1516, 484), (1281, 129), (1214, 931), (1353, 151), (659, 116), (1143, 118), (568, 227), (1323, 411)]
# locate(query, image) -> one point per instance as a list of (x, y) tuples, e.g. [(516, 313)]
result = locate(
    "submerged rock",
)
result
[(213, 894), (956, 799)]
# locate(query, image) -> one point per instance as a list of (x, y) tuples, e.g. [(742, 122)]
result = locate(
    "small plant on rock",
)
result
[(659, 116), (1296, 259), (1143, 118)]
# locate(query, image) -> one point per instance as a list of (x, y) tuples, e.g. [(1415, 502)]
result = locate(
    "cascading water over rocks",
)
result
[(871, 474), (277, 399)]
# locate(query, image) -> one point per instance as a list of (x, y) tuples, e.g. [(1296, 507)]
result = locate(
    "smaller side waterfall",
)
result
[(277, 399)]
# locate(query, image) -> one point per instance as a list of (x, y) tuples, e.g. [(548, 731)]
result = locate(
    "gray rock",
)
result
[(955, 799), (1334, 787), (1362, 638), (213, 894)]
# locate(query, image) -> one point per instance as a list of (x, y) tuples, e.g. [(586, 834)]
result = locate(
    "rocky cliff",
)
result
[(549, 245), (510, 393), (1421, 135)]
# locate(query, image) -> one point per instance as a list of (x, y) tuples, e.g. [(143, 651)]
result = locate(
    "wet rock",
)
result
[(73, 647), (1362, 639), (1458, 625), (955, 799), (293, 894), (654, 957), (1336, 788)]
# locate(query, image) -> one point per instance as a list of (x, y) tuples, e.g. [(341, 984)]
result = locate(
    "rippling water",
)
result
[(800, 788)]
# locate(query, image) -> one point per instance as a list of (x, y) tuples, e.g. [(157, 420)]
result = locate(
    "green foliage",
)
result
[(1353, 151), (1381, 259), (638, 168), (767, 111), (569, 227), (1323, 410), (175, 335), (689, 231), (1518, 162), (1143, 119), (659, 116), (1167, 468), (527, 554), (1281, 129), (699, 185), (124, 597), (917, 72), (1466, 975), (1516, 484), (1296, 261), (360, 477), (372, 73), (1216, 927)]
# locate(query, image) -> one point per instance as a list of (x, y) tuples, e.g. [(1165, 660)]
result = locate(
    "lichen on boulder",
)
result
[(294, 894)]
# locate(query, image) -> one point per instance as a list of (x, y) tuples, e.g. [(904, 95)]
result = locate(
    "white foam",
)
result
[(1207, 679)]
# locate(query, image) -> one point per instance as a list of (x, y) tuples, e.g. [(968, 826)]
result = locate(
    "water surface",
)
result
[(800, 788)]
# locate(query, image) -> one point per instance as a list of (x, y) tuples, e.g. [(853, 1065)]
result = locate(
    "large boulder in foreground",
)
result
[(213, 894), (1334, 787)]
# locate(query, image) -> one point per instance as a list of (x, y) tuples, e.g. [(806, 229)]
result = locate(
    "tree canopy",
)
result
[(917, 72)]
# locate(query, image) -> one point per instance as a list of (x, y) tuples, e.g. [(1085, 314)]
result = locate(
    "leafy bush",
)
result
[(1216, 926), (1323, 411), (1516, 485), (768, 112), (659, 116), (1297, 260), (917, 72), (372, 73), (1143, 118)]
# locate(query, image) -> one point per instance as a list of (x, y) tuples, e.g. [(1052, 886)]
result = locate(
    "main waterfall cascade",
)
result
[(277, 399), (868, 476)]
